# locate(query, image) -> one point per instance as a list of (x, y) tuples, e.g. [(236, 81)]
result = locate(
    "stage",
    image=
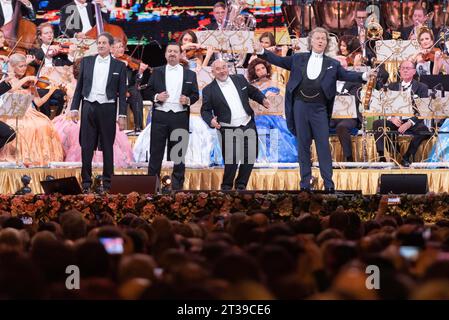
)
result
[(364, 179)]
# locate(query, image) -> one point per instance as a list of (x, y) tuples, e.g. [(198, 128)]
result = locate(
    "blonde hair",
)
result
[(16, 58), (318, 30)]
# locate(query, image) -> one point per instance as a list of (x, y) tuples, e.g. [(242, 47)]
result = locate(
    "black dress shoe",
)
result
[(86, 190), (406, 162), (305, 190), (102, 190), (349, 159), (240, 188), (329, 190), (226, 188)]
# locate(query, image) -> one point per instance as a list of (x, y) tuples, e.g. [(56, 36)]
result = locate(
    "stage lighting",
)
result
[(166, 184)]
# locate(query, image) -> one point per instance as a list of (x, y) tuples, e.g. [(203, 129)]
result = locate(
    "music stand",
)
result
[(430, 109), (15, 105), (344, 107), (390, 104)]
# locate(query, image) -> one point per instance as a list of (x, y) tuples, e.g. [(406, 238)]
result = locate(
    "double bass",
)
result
[(20, 33), (101, 26)]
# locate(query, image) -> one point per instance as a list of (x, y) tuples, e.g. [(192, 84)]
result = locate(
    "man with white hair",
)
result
[(309, 100)]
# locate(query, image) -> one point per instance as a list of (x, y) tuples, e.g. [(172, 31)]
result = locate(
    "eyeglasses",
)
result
[(407, 68), (360, 18)]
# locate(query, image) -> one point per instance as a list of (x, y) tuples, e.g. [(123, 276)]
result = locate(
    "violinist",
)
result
[(52, 54), (404, 125), (7, 10), (425, 57), (190, 49), (134, 79), (49, 55), (38, 142), (349, 48), (78, 17), (268, 42)]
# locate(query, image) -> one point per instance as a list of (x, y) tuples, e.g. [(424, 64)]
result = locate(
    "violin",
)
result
[(191, 53), (430, 56), (133, 63), (64, 47), (41, 83), (5, 51)]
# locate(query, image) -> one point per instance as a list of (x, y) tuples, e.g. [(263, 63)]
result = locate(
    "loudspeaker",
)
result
[(134, 183), (403, 183), (65, 186)]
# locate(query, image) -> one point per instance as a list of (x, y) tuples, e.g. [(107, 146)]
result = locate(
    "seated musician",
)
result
[(419, 19), (192, 51), (424, 58), (219, 13), (134, 78), (49, 55), (359, 23), (78, 17), (404, 125), (7, 133), (7, 10), (349, 48)]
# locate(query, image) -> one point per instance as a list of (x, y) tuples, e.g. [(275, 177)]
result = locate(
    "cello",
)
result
[(19, 33), (115, 31)]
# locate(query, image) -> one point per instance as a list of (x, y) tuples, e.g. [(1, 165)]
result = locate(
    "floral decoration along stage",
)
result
[(215, 205)]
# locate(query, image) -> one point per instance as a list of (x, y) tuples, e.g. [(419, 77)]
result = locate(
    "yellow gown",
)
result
[(37, 143)]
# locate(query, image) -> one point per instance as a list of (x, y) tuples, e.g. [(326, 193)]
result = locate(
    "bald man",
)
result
[(226, 108)]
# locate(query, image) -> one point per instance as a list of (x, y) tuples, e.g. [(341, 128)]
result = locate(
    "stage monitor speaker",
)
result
[(403, 184), (65, 186), (134, 183)]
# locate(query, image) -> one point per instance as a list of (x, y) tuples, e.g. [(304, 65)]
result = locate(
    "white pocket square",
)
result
[(189, 82), (115, 73), (244, 88), (329, 67)]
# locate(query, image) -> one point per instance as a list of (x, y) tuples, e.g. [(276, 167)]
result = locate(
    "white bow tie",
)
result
[(103, 60), (81, 5)]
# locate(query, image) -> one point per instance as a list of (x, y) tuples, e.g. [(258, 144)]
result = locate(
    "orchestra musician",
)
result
[(134, 79), (404, 125), (419, 19), (219, 12), (78, 17), (425, 57), (38, 142), (192, 52), (7, 10)]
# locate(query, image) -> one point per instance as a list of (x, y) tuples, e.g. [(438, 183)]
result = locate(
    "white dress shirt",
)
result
[(173, 84), (82, 10), (239, 117), (7, 10), (100, 80), (48, 62), (314, 65), (407, 87)]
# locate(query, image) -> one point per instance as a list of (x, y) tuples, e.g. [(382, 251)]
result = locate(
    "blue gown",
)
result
[(440, 150)]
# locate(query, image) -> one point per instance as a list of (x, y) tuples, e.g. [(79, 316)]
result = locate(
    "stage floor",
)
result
[(366, 180)]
